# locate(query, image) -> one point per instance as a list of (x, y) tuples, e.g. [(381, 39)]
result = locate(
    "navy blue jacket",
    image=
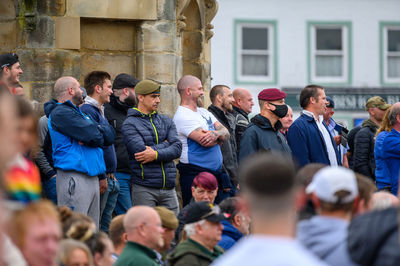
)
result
[(159, 133), (110, 157), (307, 142), (230, 235), (76, 140)]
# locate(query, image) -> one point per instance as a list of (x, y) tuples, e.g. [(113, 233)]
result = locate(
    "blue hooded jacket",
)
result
[(230, 235), (387, 159), (76, 140)]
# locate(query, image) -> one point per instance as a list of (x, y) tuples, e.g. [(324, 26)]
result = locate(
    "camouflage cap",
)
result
[(168, 218), (377, 102), (146, 87)]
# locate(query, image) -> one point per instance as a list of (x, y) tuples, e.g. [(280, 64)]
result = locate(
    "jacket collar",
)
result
[(264, 123), (89, 100), (136, 112), (220, 115), (116, 103), (240, 111)]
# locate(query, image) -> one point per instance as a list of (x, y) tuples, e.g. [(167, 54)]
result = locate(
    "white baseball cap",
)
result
[(329, 180)]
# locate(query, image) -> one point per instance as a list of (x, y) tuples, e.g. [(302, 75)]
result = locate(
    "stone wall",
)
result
[(154, 39)]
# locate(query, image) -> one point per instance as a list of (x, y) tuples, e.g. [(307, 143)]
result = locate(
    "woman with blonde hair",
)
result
[(74, 253)]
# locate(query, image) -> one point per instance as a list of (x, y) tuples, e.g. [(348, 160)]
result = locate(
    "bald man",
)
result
[(200, 133), (144, 234), (77, 155), (242, 106)]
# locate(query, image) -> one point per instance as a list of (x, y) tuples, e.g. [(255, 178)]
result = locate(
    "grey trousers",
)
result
[(155, 197), (79, 192)]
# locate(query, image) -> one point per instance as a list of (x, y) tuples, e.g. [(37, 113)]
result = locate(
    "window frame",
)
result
[(346, 29), (383, 34), (272, 52)]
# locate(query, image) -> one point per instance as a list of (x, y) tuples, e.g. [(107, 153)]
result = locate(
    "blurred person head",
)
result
[(269, 188), (383, 199), (68, 89), (203, 223), (287, 120), (394, 118), (27, 130), (36, 231), (221, 96), (243, 100), (169, 223), (117, 233), (19, 89), (366, 188), (205, 187), (148, 95), (10, 70), (98, 86), (143, 225), (313, 99), (191, 91), (74, 253), (124, 88), (385, 125), (334, 192), (235, 215), (69, 218), (376, 107)]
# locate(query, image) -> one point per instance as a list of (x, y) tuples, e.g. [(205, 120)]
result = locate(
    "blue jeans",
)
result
[(124, 201), (49, 189), (107, 204)]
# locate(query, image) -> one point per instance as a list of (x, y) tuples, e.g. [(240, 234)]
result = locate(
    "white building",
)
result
[(351, 47)]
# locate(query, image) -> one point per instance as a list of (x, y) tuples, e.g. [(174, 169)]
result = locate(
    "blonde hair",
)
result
[(68, 246), (385, 125)]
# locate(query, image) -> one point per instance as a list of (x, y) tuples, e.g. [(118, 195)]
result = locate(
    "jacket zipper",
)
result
[(162, 164)]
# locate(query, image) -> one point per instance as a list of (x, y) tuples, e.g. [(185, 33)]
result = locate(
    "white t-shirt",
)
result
[(268, 251), (193, 153)]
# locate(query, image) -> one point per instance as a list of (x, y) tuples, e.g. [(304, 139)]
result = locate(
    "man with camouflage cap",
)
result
[(152, 145), (364, 142)]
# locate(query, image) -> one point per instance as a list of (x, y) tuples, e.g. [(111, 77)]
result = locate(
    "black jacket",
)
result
[(350, 140), (261, 136), (228, 148), (241, 124), (116, 112), (364, 144), (373, 238)]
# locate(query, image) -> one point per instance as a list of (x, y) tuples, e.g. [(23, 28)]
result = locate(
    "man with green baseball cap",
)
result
[(152, 145), (364, 142)]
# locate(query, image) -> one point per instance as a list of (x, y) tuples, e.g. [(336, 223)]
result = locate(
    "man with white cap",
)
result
[(334, 192)]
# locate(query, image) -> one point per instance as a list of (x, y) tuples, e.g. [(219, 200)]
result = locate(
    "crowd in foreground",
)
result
[(96, 179)]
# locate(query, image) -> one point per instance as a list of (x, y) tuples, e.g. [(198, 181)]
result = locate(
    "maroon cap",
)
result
[(271, 95)]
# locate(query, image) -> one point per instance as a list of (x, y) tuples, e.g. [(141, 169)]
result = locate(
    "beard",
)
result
[(77, 99), (200, 102), (131, 100)]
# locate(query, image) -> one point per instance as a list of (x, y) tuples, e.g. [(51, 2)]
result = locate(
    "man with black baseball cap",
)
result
[(122, 99), (152, 144), (10, 70), (203, 228), (263, 132)]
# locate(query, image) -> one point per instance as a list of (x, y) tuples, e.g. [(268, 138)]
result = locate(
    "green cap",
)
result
[(146, 87), (168, 218), (377, 102)]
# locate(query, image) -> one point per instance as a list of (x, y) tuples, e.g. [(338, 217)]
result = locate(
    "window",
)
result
[(255, 52), (329, 47), (391, 53)]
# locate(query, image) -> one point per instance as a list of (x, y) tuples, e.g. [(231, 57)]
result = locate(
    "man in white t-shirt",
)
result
[(200, 133), (269, 192)]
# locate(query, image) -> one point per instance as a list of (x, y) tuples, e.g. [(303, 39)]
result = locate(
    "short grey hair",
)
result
[(190, 229), (394, 112)]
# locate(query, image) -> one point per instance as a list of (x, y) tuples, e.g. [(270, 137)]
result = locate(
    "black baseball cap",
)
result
[(7, 60), (203, 210), (124, 81), (331, 103)]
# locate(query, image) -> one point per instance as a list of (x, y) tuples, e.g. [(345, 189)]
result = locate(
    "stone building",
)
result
[(153, 39)]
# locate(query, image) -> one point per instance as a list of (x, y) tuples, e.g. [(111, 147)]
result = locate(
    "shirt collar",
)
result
[(95, 103), (310, 114)]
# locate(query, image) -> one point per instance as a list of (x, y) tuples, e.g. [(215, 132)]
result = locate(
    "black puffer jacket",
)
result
[(116, 112), (228, 148), (364, 144), (159, 133), (262, 136), (373, 238)]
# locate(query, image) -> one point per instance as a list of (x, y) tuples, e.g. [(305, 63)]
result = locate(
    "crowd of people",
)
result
[(102, 178)]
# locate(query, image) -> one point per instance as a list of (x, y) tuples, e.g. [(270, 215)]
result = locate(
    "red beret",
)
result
[(271, 95)]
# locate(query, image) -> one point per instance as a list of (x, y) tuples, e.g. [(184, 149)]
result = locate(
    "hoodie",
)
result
[(326, 237), (230, 235)]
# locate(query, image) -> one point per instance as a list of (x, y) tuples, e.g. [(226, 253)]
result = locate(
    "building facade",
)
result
[(350, 47)]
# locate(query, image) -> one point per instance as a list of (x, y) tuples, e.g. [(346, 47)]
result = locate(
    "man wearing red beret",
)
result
[(263, 133)]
